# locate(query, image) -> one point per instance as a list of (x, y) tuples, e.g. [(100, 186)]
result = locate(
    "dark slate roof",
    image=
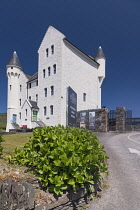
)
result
[(14, 62), (28, 76), (33, 104), (91, 58), (34, 77), (100, 53)]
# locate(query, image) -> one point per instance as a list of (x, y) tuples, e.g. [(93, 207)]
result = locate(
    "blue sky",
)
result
[(115, 25)]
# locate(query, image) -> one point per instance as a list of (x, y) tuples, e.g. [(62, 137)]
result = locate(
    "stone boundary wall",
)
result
[(16, 195), (98, 123)]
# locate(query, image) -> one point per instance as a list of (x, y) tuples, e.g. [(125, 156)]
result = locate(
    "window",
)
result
[(20, 88), (52, 90), (10, 87), (36, 82), (45, 110), (11, 67), (36, 97), (45, 89), (84, 96), (43, 73), (26, 112), (49, 71), (20, 102), (30, 85), (51, 110), (30, 98), (34, 115), (20, 115), (47, 52), (52, 48), (54, 68)]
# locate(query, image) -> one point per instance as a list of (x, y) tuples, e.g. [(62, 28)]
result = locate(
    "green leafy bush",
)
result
[(63, 157), (1, 148)]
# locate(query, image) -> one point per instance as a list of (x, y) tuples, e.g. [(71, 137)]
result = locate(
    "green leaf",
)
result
[(57, 162), (45, 168), (71, 182)]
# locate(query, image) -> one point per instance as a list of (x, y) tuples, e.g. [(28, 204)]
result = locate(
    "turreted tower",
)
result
[(100, 58), (14, 70)]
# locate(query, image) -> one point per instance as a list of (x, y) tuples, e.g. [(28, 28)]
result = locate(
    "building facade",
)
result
[(41, 99)]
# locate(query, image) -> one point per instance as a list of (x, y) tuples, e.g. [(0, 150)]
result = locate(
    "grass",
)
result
[(11, 141), (3, 119)]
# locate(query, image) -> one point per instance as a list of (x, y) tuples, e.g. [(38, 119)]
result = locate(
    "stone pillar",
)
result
[(120, 119), (101, 121)]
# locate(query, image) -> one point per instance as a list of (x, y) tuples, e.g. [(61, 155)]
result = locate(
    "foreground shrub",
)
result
[(63, 157), (1, 148)]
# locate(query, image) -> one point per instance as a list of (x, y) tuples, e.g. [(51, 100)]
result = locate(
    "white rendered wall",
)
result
[(33, 91), (81, 75), (52, 37), (101, 76), (22, 95), (26, 119), (16, 77)]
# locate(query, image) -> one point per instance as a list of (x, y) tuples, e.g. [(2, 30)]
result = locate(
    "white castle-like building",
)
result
[(41, 99)]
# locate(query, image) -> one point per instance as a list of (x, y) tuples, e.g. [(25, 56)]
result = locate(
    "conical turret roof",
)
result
[(14, 61), (100, 53)]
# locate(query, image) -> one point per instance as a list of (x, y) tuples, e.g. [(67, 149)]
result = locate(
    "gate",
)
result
[(128, 120), (126, 117), (112, 120)]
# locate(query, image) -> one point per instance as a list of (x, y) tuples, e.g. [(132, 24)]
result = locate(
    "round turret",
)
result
[(14, 70)]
